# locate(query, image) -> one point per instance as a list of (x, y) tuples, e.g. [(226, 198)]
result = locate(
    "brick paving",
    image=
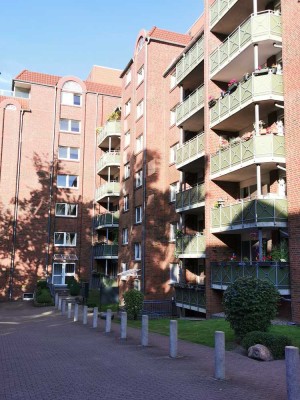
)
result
[(44, 355)]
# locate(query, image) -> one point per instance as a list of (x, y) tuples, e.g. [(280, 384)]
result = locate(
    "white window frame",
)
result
[(67, 186), (127, 139), (139, 178), (127, 107), (67, 208), (173, 228), (173, 80), (138, 214), (137, 251), (173, 116), (69, 99), (69, 127), (126, 203), (139, 143), (127, 171), (140, 75), (173, 191), (69, 153), (128, 77), (173, 152), (64, 272), (67, 242), (174, 273), (125, 236), (140, 109)]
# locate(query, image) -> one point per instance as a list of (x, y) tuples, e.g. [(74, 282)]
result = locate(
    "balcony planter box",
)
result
[(211, 103), (262, 71), (232, 87)]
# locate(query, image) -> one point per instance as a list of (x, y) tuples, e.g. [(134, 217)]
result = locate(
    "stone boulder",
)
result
[(260, 352)]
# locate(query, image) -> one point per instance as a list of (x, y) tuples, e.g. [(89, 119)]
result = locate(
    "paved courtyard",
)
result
[(43, 355)]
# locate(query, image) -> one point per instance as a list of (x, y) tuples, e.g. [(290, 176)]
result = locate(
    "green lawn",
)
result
[(202, 332)]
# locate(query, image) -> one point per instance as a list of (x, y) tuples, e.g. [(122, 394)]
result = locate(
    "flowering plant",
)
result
[(233, 257), (231, 82)]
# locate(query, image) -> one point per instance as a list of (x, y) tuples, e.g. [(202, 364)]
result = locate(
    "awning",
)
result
[(65, 257)]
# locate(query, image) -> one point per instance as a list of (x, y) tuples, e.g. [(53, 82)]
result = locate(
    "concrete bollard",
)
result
[(56, 300), (76, 309), (59, 303), (95, 317), (85, 312), (124, 325), (145, 329), (219, 355), (63, 307), (108, 321), (173, 338), (292, 372), (69, 310)]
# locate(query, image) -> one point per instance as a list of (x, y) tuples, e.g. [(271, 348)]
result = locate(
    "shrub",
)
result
[(74, 286), (44, 296), (42, 284), (274, 342), (249, 305), (133, 303)]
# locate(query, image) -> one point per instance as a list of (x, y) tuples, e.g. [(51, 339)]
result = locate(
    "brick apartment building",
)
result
[(192, 181)]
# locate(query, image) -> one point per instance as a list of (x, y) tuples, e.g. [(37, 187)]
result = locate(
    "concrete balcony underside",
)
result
[(268, 213), (109, 134), (190, 297), (109, 159), (107, 220), (189, 152), (106, 251), (190, 113), (191, 246), (223, 274), (231, 58), (236, 111), (266, 150), (109, 189), (190, 199), (226, 15)]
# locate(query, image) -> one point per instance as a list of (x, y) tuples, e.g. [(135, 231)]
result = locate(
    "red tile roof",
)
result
[(23, 102), (52, 80), (168, 36)]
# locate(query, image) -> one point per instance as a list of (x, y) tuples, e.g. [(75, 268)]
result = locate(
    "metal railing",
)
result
[(190, 105), (218, 9), (190, 150), (189, 245), (105, 250), (109, 158), (111, 128), (10, 93), (190, 297), (190, 198), (108, 189), (106, 219), (190, 60)]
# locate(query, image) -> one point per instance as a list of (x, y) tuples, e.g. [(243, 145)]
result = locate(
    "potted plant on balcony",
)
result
[(261, 70), (232, 85), (211, 101)]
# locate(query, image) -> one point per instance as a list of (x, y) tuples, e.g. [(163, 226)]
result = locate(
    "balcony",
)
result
[(105, 251), (190, 199), (190, 151), (190, 297), (109, 135), (107, 220), (267, 150), (188, 113), (277, 273), (110, 159), (231, 58), (107, 190), (188, 63), (245, 214), (235, 111), (191, 246)]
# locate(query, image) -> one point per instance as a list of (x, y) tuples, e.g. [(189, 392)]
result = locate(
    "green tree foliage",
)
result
[(133, 303), (250, 304)]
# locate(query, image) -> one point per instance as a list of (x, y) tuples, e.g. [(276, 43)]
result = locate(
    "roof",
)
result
[(168, 36), (52, 80), (23, 102)]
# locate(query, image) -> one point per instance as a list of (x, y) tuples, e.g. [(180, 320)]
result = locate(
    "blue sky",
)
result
[(67, 37)]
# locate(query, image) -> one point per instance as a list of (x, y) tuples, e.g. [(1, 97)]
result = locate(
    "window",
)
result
[(66, 210), (139, 144), (128, 77), (61, 271), (68, 153), (174, 273), (139, 178), (127, 139), (126, 203), (138, 214), (65, 239), (173, 80), (126, 171), (137, 251), (173, 151), (67, 181), (140, 75), (125, 236), (127, 107), (173, 190), (69, 125), (173, 229), (140, 109), (173, 116), (70, 99), (140, 44)]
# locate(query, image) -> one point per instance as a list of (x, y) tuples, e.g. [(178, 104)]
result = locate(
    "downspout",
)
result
[(2, 139), (51, 183), (16, 206)]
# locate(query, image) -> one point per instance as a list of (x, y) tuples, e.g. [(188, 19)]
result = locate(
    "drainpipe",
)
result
[(254, 7), (2, 138)]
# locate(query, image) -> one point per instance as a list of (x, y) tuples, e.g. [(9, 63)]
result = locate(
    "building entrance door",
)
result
[(61, 271)]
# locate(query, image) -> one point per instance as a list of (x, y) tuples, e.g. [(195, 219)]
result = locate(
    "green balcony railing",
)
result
[(190, 150), (258, 149), (255, 89), (193, 103), (111, 128), (190, 198), (249, 213), (277, 273), (105, 250), (190, 297), (106, 219), (259, 27), (190, 60), (108, 189), (109, 158), (218, 9), (191, 245)]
